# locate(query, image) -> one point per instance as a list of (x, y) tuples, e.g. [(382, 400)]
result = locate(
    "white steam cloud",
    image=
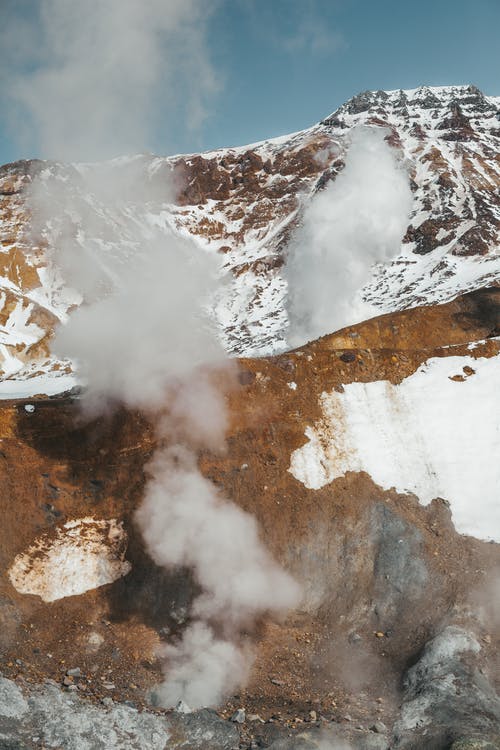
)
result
[(203, 668), (198, 528), (186, 521), (142, 335), (358, 220), (104, 70), (150, 344)]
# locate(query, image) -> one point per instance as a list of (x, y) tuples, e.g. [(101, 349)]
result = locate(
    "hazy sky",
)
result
[(252, 69)]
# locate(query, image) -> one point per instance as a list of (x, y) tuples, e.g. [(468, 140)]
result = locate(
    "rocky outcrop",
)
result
[(448, 700), (44, 716)]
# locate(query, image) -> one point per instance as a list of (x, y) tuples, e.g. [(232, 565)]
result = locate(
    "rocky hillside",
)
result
[(398, 608), (244, 203), (369, 457)]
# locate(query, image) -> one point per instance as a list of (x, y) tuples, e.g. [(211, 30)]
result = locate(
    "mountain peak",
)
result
[(469, 97)]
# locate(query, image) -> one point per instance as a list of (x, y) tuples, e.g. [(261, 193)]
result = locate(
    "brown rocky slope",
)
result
[(382, 574)]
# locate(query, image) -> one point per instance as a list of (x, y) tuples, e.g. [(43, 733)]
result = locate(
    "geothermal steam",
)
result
[(358, 220), (142, 336)]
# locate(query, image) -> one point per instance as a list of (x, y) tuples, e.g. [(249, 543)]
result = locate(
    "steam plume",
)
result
[(358, 220), (148, 344), (142, 336)]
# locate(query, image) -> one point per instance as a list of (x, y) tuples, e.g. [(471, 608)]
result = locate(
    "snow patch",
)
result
[(431, 435), (84, 554), (47, 384)]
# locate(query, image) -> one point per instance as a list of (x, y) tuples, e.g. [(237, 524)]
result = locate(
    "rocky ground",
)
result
[(447, 701), (396, 642)]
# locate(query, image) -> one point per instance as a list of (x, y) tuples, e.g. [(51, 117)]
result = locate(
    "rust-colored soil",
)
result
[(344, 653)]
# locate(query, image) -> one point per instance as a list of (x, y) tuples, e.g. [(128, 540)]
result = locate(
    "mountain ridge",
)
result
[(246, 202)]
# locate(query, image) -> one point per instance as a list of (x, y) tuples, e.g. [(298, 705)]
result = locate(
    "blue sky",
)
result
[(281, 65)]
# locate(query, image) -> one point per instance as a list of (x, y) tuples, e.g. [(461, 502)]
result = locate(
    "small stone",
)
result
[(279, 683), (379, 727), (255, 717), (348, 357), (76, 672), (379, 634), (107, 701), (30, 408), (182, 707), (347, 717), (239, 716), (72, 687), (312, 715), (109, 685), (67, 681)]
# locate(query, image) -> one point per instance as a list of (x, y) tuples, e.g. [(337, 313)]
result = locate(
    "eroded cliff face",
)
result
[(381, 571)]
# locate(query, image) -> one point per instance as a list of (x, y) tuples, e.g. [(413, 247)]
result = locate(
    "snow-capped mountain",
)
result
[(367, 457), (244, 203)]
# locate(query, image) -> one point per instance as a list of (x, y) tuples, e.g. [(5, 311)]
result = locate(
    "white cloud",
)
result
[(103, 71)]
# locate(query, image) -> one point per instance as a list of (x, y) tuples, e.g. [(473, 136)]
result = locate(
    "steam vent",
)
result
[(224, 531)]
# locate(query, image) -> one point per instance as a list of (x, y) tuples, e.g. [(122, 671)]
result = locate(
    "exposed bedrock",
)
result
[(44, 716), (448, 698)]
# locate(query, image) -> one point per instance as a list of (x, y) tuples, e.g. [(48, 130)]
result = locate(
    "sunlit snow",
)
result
[(430, 435)]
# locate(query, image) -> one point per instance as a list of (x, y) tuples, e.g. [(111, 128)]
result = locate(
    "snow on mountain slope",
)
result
[(444, 410), (244, 203)]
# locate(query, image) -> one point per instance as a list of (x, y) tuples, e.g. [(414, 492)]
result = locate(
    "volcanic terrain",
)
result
[(369, 457)]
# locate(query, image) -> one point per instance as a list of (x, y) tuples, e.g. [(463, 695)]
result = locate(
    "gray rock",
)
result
[(12, 702), (447, 695), (183, 708), (300, 742), (331, 739), (476, 744), (379, 727), (239, 716), (203, 730), (399, 568), (65, 720)]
